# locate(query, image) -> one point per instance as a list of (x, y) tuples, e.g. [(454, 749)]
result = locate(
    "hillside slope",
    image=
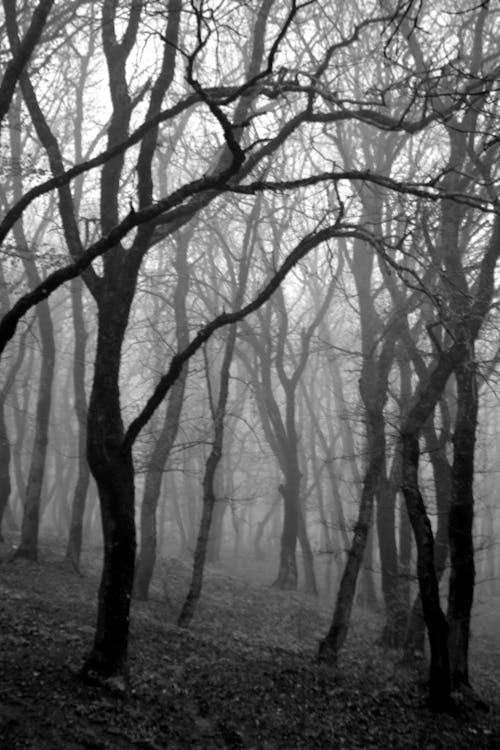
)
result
[(242, 677)]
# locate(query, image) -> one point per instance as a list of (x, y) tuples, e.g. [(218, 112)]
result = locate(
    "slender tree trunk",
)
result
[(394, 629), (152, 487), (330, 646), (215, 535), (287, 574), (28, 546), (437, 628), (461, 517), (367, 595), (259, 555), (209, 500), (4, 466), (184, 543), (415, 635), (373, 388), (310, 584), (209, 479), (74, 546), (405, 547), (168, 434)]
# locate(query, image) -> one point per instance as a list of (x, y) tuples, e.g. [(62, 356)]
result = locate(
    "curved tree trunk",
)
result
[(437, 628), (112, 467), (415, 634)]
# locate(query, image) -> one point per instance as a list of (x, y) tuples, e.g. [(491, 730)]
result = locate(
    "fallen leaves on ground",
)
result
[(243, 676)]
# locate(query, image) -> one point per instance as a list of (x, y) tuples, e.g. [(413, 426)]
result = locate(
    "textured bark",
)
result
[(437, 628), (461, 517), (112, 468), (22, 50), (415, 635), (394, 629)]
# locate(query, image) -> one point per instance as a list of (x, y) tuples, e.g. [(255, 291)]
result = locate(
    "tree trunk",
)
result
[(330, 646), (152, 487), (112, 466), (209, 500), (437, 628), (415, 635), (394, 629), (373, 389), (74, 546), (258, 552), (287, 574), (209, 479), (310, 584), (167, 437), (461, 517), (4, 466), (215, 535), (28, 546)]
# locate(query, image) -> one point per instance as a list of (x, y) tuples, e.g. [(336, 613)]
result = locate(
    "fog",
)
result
[(249, 288)]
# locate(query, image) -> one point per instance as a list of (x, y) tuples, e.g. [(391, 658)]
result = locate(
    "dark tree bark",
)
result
[(22, 50), (112, 467), (461, 517), (437, 628), (436, 447), (395, 625)]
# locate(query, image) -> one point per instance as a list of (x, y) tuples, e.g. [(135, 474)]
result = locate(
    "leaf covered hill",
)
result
[(243, 676)]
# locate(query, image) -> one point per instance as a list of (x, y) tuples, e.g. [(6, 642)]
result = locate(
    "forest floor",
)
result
[(243, 676)]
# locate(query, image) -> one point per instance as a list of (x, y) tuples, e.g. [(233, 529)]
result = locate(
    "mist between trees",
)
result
[(249, 303)]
